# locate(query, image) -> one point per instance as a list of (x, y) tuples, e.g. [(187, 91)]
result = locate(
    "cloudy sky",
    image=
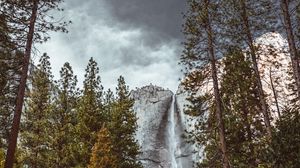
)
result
[(138, 39)]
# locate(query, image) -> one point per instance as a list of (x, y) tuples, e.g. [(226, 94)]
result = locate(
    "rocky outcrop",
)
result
[(161, 127), (151, 107)]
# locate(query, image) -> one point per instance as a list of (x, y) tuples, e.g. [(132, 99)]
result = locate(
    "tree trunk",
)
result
[(292, 45), (253, 53), (21, 91), (275, 95), (219, 109)]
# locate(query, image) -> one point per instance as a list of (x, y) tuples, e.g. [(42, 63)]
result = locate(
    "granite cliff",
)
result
[(161, 124)]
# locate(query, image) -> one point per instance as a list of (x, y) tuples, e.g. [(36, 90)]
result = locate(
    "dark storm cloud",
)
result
[(139, 39), (161, 18)]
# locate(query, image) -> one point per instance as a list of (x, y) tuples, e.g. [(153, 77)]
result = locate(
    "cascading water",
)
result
[(172, 135), (162, 124)]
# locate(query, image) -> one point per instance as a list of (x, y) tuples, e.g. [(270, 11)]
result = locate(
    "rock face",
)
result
[(161, 127)]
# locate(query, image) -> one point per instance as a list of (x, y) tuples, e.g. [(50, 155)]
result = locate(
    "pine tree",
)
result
[(284, 149), (241, 104), (109, 99), (35, 134), (9, 71), (241, 115), (201, 50), (243, 23), (63, 119), (90, 112), (122, 127), (102, 155), (29, 22), (291, 32)]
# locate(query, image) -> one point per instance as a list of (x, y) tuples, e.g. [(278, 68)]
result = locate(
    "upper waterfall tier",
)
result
[(160, 130)]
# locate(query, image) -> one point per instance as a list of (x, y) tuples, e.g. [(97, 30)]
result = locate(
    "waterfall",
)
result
[(162, 124), (172, 134)]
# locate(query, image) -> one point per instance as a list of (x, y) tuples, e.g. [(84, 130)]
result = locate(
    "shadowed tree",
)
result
[(243, 23), (200, 51), (29, 22), (36, 124), (291, 28)]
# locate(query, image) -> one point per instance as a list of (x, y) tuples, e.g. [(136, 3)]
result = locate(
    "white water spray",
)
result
[(172, 137)]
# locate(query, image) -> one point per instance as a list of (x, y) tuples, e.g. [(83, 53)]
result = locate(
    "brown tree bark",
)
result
[(254, 55), (292, 44), (219, 109), (21, 90), (275, 95)]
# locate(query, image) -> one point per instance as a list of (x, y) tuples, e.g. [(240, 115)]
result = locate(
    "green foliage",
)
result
[(245, 132), (195, 55), (90, 113), (10, 61), (202, 49), (36, 124), (9, 72), (284, 149), (122, 127), (242, 110), (63, 120), (19, 12)]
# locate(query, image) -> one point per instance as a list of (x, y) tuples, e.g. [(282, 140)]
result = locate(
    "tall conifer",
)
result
[(64, 120), (201, 49), (90, 112), (242, 24), (122, 127), (36, 124), (29, 21)]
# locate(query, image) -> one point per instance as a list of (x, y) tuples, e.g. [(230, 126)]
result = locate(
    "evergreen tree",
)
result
[(102, 155), (202, 50), (63, 118), (122, 127), (284, 149), (9, 71), (108, 102), (291, 28), (29, 21), (241, 116), (241, 104), (243, 23), (35, 134), (90, 109)]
